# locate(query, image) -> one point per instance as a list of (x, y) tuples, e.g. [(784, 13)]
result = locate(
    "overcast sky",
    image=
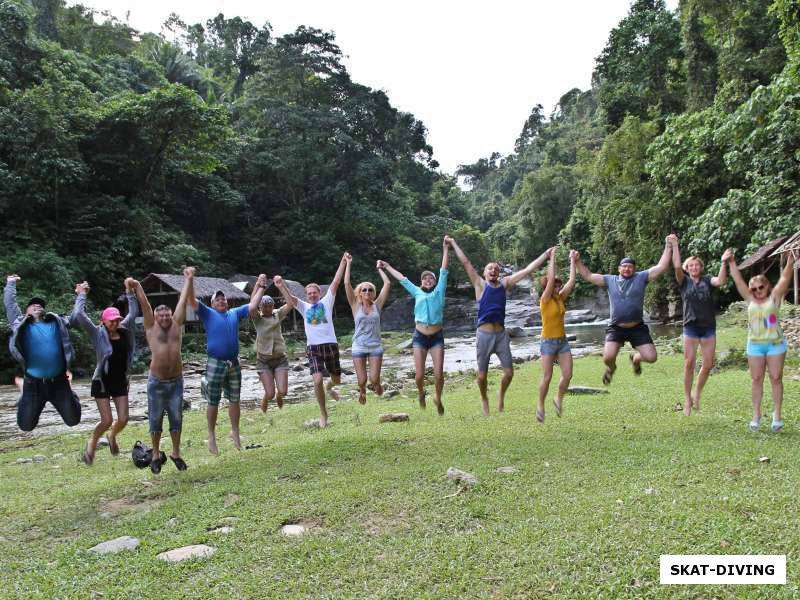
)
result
[(471, 71)]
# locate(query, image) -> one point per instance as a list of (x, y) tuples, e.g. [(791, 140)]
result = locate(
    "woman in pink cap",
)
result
[(114, 344)]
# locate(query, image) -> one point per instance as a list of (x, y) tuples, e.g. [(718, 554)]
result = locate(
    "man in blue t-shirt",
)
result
[(626, 299), (223, 372), (40, 343)]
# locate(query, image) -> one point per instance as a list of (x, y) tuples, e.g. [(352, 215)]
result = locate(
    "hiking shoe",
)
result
[(777, 425), (754, 425)]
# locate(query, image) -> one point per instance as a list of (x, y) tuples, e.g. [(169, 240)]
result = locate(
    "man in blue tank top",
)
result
[(492, 337)]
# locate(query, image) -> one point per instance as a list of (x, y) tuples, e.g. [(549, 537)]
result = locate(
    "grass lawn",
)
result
[(597, 496)]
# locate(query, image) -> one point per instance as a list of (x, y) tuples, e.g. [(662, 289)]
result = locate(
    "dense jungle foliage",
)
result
[(222, 145)]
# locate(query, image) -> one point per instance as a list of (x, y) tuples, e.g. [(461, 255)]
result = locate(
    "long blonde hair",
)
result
[(360, 286)]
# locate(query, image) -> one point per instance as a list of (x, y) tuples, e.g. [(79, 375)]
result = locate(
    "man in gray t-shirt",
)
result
[(626, 297)]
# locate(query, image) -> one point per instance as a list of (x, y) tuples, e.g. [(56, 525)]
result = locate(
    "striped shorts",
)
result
[(222, 376)]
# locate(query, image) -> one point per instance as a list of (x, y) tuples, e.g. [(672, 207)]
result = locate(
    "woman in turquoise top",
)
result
[(428, 316), (766, 344)]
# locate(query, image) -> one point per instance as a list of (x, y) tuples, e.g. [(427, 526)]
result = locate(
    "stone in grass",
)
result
[(224, 529), (392, 417), (506, 469), (187, 552), (580, 389), (119, 544), (293, 530), (312, 424), (466, 479), (764, 459)]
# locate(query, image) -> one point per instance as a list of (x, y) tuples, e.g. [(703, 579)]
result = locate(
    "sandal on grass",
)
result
[(557, 406), (179, 463), (113, 446), (637, 365), (540, 416), (609, 374)]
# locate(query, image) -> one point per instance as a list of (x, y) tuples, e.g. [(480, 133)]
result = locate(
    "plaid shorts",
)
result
[(222, 375), (324, 357)]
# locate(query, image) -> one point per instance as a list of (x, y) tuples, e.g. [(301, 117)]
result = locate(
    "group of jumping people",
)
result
[(40, 340)]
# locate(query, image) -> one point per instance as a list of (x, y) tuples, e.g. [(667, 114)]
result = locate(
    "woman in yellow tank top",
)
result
[(766, 345), (554, 345)]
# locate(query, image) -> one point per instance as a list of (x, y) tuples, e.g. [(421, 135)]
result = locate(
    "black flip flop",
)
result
[(157, 463), (179, 463)]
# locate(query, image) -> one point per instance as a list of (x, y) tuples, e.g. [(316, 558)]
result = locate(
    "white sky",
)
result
[(471, 71)]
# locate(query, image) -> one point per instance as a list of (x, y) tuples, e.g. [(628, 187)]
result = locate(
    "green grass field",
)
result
[(597, 496)]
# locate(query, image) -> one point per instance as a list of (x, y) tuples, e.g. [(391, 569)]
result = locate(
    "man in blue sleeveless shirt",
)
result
[(40, 343), (492, 337), (626, 299)]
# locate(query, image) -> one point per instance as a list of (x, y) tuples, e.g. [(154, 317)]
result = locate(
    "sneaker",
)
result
[(777, 425), (754, 425)]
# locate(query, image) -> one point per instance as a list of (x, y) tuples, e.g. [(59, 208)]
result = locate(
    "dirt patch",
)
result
[(309, 525), (120, 506), (379, 524)]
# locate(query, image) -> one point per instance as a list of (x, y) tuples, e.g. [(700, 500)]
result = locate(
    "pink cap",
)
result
[(110, 314)]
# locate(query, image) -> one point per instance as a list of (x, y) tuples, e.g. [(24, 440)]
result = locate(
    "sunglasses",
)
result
[(757, 288), (368, 291)]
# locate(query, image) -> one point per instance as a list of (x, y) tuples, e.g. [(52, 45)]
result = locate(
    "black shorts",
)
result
[(110, 387), (638, 335), (324, 357)]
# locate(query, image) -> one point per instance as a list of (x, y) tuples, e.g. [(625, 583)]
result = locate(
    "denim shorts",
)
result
[(699, 332), (165, 395), (553, 346), (367, 352), (426, 342), (766, 348)]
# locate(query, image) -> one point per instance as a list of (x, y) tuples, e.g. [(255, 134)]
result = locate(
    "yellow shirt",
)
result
[(764, 325), (553, 317)]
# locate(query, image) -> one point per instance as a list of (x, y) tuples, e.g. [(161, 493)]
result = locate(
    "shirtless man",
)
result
[(164, 332), (492, 337)]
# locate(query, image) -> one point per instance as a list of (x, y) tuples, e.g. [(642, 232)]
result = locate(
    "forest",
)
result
[(222, 145)]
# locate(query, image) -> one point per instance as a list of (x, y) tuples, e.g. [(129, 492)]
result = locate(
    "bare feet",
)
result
[(323, 421), (687, 407), (485, 407), (237, 443), (500, 406), (379, 389), (113, 447), (279, 401), (362, 397), (440, 408), (331, 391), (264, 402), (212, 443), (695, 401), (422, 399), (87, 457)]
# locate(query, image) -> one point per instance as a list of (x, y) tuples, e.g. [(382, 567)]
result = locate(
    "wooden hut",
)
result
[(245, 283), (775, 253), (162, 288)]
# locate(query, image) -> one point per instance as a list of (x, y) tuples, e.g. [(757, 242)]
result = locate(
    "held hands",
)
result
[(727, 255), (347, 257), (262, 280), (130, 282), (381, 264), (277, 280), (672, 240), (448, 240), (82, 287), (189, 272), (13, 278), (574, 256)]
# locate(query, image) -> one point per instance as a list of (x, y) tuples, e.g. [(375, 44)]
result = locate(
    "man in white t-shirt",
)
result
[(322, 347)]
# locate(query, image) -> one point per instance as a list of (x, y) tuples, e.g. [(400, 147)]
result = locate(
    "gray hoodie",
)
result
[(98, 334), (19, 321)]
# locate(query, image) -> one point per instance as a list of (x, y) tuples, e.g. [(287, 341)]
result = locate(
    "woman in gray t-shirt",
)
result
[(366, 306), (699, 324)]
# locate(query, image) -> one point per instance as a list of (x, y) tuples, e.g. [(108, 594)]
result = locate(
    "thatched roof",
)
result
[(204, 287), (793, 243), (762, 253), (295, 287)]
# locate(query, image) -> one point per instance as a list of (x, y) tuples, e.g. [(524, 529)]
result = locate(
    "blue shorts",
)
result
[(766, 348), (699, 332), (551, 346), (362, 352), (165, 395), (426, 342)]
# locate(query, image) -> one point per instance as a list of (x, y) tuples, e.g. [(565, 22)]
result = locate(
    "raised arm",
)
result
[(387, 284), (662, 265), (337, 278), (348, 286), (382, 264), (783, 283), (290, 300), (534, 266), (79, 316), (722, 278), (477, 280), (133, 304), (258, 292), (741, 285), (144, 305), (13, 311), (191, 299), (594, 278), (179, 317), (570, 285), (445, 252), (676, 264), (547, 292)]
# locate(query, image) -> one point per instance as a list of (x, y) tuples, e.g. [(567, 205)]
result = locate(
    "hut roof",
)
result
[(204, 287), (762, 253), (793, 243)]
